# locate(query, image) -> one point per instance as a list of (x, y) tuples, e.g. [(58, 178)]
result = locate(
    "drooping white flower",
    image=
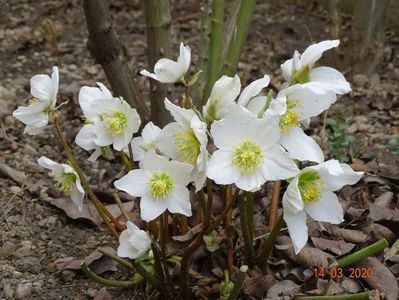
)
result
[(44, 89), (299, 69), (116, 123), (186, 140), (86, 136), (161, 184), (66, 179), (146, 142), (169, 71), (311, 192), (249, 153), (133, 242), (223, 95)]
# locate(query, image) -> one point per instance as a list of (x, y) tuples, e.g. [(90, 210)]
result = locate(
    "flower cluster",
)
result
[(242, 137)]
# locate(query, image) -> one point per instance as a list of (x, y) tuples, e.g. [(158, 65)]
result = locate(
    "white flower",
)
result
[(221, 100), (248, 152), (86, 136), (186, 140), (133, 242), (311, 192), (146, 142), (169, 71), (299, 69), (116, 123), (44, 89), (161, 184), (66, 179), (251, 92)]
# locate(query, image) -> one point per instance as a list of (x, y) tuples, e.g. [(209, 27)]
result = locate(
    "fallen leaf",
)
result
[(377, 231), (336, 247), (284, 288), (308, 257), (382, 279), (17, 176), (321, 286), (192, 232), (350, 285), (102, 295), (257, 286), (384, 200), (351, 236), (392, 251)]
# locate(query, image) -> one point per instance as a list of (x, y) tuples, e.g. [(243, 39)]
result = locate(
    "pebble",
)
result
[(8, 291), (15, 189), (23, 291), (360, 80), (16, 274), (396, 74)]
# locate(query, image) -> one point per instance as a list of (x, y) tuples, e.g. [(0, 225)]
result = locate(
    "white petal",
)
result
[(278, 106), (301, 146), (327, 209), (256, 104), (48, 163), (167, 141), (95, 154), (102, 138), (151, 208), (253, 89), (184, 57), (292, 199), (148, 74), (33, 114), (150, 132), (250, 182), (199, 178), (331, 79), (298, 230), (179, 202), (278, 165), (179, 171), (221, 168), (77, 198), (85, 138), (181, 115), (89, 95), (122, 140), (44, 87), (227, 133), (137, 147), (168, 71), (286, 69), (335, 180), (315, 51), (135, 183)]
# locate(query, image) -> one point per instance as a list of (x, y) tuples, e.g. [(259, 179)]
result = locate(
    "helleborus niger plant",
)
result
[(241, 139)]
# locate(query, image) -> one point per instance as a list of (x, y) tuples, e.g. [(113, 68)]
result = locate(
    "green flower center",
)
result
[(188, 146), (290, 118), (300, 76), (66, 182), (161, 184), (248, 156), (309, 185), (116, 122)]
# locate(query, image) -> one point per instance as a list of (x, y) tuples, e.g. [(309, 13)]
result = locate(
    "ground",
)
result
[(35, 234)]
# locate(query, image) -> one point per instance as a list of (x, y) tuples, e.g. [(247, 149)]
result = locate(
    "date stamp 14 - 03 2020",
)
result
[(340, 272)]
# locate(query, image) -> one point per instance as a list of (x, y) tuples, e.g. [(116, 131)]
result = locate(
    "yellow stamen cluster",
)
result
[(291, 117), (300, 76), (161, 184), (248, 157), (188, 146), (309, 185), (66, 182), (116, 122)]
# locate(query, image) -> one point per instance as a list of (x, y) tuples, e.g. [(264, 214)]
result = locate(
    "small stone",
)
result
[(91, 292), (8, 291), (23, 291), (7, 249), (16, 274), (396, 74), (15, 189), (360, 80)]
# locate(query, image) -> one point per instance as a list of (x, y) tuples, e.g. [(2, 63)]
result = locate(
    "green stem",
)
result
[(225, 211), (131, 158), (238, 40), (359, 296), (250, 214), (268, 245), (125, 161), (362, 253), (159, 270), (104, 281), (112, 255), (248, 247), (239, 283), (267, 104), (186, 103), (216, 46), (105, 215), (196, 243), (121, 206)]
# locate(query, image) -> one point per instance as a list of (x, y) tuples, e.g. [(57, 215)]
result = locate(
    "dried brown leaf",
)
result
[(377, 231), (17, 176), (350, 236), (257, 286), (285, 288), (336, 247), (384, 200), (74, 264), (309, 257), (382, 279), (102, 295)]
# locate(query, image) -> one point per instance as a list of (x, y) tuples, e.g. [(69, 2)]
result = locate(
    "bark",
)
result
[(158, 24), (106, 49)]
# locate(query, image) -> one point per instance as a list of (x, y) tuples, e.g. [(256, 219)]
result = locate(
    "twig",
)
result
[(359, 296), (104, 281), (112, 255), (239, 283), (362, 253), (121, 206), (274, 204)]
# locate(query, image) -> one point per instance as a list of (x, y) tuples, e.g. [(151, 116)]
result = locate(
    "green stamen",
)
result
[(116, 122), (66, 182), (161, 184), (300, 76), (248, 156), (188, 146)]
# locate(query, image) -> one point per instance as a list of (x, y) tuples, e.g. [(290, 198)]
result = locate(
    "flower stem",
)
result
[(219, 219), (362, 253), (186, 103), (104, 281), (120, 205), (359, 296), (248, 247), (267, 104), (104, 213), (125, 161), (229, 246), (215, 51), (131, 157), (239, 283), (112, 255), (274, 204), (250, 214), (196, 243), (162, 270), (268, 245)]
